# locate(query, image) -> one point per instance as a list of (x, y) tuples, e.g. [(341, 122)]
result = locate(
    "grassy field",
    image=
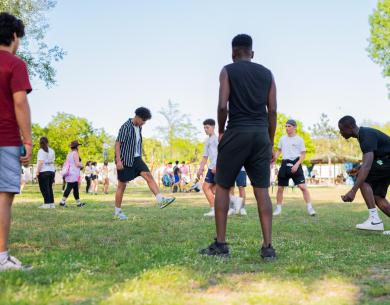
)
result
[(83, 256)]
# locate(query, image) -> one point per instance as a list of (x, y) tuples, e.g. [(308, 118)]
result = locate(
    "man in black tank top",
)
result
[(247, 93)]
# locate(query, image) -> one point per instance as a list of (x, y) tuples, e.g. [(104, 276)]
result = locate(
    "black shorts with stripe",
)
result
[(285, 173)]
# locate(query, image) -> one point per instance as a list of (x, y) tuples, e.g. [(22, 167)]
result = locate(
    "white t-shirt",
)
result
[(291, 147), (48, 160), (211, 150), (137, 152)]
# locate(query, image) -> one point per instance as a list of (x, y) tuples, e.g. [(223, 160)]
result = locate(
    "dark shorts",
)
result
[(210, 177), (285, 173), (93, 177), (379, 177), (130, 173), (241, 179), (242, 147)]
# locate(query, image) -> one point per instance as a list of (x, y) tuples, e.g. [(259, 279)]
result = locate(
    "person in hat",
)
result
[(292, 147), (71, 172)]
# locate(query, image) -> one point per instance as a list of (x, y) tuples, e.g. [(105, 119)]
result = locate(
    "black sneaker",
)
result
[(268, 253), (63, 205), (216, 249), (81, 205)]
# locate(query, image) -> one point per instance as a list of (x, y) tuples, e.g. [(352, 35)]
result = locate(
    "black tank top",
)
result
[(249, 87)]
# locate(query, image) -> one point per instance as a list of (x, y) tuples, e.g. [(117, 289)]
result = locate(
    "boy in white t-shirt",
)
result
[(211, 154), (292, 147)]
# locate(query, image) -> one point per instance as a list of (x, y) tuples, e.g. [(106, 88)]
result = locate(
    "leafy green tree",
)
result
[(178, 126), (38, 55), (65, 128), (379, 41)]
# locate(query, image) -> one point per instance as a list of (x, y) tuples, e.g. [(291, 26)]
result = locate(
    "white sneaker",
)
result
[(237, 203), (120, 215), (371, 224), (45, 206), (52, 206), (386, 232), (243, 212), (231, 212), (210, 214), (311, 211), (12, 263), (277, 211)]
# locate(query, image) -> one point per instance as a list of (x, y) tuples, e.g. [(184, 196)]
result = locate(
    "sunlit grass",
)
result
[(83, 256)]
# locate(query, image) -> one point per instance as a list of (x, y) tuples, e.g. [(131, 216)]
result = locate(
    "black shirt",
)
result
[(373, 140), (249, 88)]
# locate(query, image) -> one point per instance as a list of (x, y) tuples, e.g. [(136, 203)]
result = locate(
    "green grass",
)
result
[(83, 256)]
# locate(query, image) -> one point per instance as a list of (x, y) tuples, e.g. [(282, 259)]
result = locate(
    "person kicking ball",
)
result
[(129, 163), (211, 153), (373, 177), (293, 150)]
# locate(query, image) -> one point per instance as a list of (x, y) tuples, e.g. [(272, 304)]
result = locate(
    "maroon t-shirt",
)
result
[(13, 78)]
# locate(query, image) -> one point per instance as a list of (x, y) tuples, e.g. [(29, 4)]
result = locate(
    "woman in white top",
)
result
[(46, 173)]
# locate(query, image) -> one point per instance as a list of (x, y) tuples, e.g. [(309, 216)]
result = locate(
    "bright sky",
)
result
[(125, 54)]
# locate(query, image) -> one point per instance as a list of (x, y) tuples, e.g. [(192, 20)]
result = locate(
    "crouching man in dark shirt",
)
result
[(373, 178)]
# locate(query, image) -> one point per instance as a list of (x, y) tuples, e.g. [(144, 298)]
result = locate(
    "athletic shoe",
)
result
[(243, 212), (268, 253), (45, 206), (386, 232), (216, 249), (237, 203), (210, 214), (277, 211), (371, 224), (165, 201), (12, 263), (120, 215), (63, 205), (52, 206), (81, 205), (311, 211), (231, 212)]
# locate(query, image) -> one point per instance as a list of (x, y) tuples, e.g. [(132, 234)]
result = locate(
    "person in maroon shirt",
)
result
[(15, 127)]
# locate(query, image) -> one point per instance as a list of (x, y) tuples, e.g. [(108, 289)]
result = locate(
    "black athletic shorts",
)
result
[(129, 173), (285, 173), (379, 177), (241, 147)]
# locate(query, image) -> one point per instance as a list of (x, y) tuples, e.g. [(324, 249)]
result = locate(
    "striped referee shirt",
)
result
[(127, 138)]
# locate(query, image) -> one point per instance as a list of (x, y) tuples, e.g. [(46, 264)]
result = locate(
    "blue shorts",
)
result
[(241, 179), (10, 169), (209, 177)]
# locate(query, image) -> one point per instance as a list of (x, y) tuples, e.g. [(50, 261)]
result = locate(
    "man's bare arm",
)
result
[(23, 118), (224, 92), (272, 115)]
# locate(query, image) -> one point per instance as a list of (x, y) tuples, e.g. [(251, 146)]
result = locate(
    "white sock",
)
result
[(159, 197), (309, 206), (117, 210), (78, 201), (279, 206), (212, 209), (3, 255), (373, 213), (63, 200)]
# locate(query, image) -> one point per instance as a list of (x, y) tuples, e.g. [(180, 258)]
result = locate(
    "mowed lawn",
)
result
[(83, 256)]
